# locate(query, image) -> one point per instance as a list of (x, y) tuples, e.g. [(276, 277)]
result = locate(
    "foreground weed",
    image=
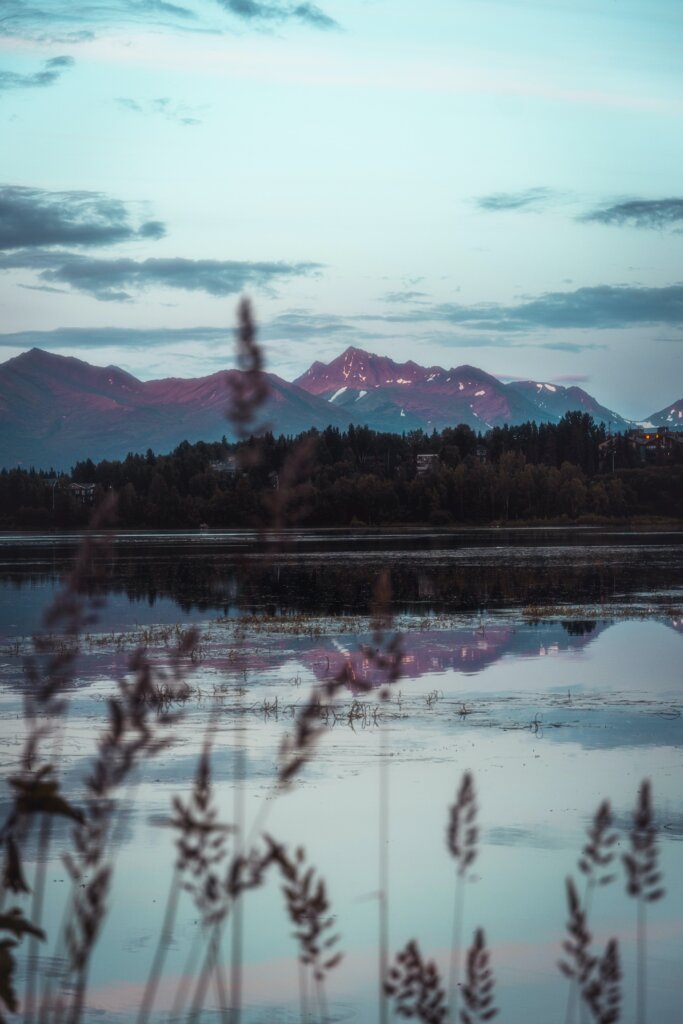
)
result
[(414, 985), (597, 979), (135, 732), (36, 795), (603, 994), (461, 839), (598, 853), (201, 850), (644, 881), (477, 992), (595, 864), (578, 963), (309, 911)]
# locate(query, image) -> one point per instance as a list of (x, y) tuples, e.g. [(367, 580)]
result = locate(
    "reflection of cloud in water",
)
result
[(537, 838), (606, 727), (669, 823)]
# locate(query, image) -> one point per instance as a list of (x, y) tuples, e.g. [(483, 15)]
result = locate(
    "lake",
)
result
[(545, 662)]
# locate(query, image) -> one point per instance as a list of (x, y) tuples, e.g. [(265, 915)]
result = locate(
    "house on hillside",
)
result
[(229, 465), (85, 493), (427, 463), (656, 445)]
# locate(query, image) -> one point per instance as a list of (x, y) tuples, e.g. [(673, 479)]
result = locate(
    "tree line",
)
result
[(362, 477)]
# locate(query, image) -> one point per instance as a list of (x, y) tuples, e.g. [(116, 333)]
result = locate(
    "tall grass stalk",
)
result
[(237, 937), (595, 863), (383, 876), (30, 1004), (461, 839), (163, 942), (479, 984), (644, 883)]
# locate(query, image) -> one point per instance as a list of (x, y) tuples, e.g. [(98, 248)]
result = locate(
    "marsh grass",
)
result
[(414, 985), (478, 990), (644, 881), (608, 611), (462, 835)]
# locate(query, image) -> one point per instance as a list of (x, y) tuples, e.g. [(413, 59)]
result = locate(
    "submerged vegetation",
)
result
[(219, 860)]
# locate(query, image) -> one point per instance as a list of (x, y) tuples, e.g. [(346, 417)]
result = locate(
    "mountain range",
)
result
[(55, 410)]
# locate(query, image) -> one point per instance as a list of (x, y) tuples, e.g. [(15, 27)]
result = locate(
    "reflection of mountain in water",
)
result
[(464, 650)]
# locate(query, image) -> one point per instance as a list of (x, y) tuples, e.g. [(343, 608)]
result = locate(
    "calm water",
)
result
[(548, 664)]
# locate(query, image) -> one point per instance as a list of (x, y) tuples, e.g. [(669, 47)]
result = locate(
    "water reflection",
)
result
[(430, 572), (467, 650), (551, 716)]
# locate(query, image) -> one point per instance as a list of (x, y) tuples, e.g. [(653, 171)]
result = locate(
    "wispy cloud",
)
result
[(306, 329), (34, 217), (572, 378), (639, 213), (260, 11), (600, 307), (113, 280), (530, 198), (405, 296), (304, 326), (508, 341), (162, 106), (75, 20), (52, 70), (116, 337)]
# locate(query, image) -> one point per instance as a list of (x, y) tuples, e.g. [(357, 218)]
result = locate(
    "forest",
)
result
[(360, 477)]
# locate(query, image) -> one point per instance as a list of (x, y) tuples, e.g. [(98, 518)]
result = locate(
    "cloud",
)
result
[(34, 217), (572, 378), (313, 15), (302, 326), (461, 341), (44, 288), (52, 71), (260, 11), (122, 337), (599, 307), (109, 279), (531, 198), (75, 20), (164, 107), (639, 213), (405, 296), (299, 326), (301, 323)]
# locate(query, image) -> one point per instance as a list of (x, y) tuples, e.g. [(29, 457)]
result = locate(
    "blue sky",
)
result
[(495, 183)]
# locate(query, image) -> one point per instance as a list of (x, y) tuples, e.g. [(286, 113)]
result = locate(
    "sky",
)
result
[(491, 182)]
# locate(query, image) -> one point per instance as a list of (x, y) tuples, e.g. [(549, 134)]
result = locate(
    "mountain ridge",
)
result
[(438, 395), (56, 410)]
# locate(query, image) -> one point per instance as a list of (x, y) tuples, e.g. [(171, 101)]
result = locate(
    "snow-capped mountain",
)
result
[(430, 396), (435, 397), (554, 401), (671, 416)]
